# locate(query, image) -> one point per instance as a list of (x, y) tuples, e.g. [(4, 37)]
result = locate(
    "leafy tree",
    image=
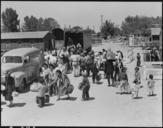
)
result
[(40, 24), (49, 24), (31, 24), (34, 24), (139, 25), (76, 29), (89, 30), (107, 29), (10, 20), (117, 31)]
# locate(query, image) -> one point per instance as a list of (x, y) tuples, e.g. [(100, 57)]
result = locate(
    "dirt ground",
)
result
[(105, 108)]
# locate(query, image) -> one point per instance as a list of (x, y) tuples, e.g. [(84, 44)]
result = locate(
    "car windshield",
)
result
[(12, 59)]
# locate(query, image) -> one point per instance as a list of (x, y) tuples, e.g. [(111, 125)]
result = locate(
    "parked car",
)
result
[(23, 64), (3, 51)]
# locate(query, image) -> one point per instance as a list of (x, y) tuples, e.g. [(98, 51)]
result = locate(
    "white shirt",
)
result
[(75, 59), (52, 59)]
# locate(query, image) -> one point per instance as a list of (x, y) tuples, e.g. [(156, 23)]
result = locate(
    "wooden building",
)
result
[(55, 39), (38, 39), (84, 38), (155, 34), (41, 39), (59, 42)]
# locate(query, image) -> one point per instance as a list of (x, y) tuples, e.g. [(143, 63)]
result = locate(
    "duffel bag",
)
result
[(34, 87), (70, 88)]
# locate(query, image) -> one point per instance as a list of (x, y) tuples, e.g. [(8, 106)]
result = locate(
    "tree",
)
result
[(40, 24), (49, 24), (89, 30), (10, 20), (139, 25), (107, 29), (34, 24), (76, 29), (117, 31), (31, 24)]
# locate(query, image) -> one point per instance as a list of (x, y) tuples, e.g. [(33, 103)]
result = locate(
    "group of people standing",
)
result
[(153, 55), (54, 80)]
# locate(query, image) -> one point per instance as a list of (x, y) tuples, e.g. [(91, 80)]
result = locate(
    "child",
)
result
[(137, 75), (85, 86), (136, 86), (151, 84), (123, 80), (41, 97), (135, 89)]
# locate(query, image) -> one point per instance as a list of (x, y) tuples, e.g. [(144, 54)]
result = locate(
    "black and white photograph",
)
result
[(81, 63)]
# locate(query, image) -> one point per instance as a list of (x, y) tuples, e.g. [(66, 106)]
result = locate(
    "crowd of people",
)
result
[(54, 80), (153, 55)]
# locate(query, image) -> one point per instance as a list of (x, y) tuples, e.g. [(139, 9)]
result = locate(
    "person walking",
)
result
[(82, 63), (116, 72), (109, 68), (138, 60), (94, 72), (89, 63), (10, 87), (123, 80)]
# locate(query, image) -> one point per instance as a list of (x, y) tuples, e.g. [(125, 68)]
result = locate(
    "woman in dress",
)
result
[(63, 85)]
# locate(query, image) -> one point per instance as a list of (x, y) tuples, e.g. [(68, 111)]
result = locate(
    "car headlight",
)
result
[(3, 74)]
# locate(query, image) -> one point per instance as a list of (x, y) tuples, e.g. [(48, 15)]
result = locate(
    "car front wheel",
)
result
[(22, 86)]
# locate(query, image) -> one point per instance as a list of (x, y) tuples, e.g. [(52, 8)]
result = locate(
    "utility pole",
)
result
[(101, 20), (93, 27)]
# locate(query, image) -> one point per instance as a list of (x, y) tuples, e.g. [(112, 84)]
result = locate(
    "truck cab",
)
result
[(23, 64)]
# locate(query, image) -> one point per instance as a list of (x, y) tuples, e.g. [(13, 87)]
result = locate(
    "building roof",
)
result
[(20, 51), (155, 31), (24, 35)]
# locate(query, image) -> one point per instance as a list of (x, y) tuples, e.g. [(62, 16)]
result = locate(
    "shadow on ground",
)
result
[(126, 93), (152, 95), (70, 98), (48, 104), (19, 104), (90, 98), (139, 97), (98, 83)]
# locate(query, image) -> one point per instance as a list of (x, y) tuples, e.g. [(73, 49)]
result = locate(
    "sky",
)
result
[(83, 14)]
